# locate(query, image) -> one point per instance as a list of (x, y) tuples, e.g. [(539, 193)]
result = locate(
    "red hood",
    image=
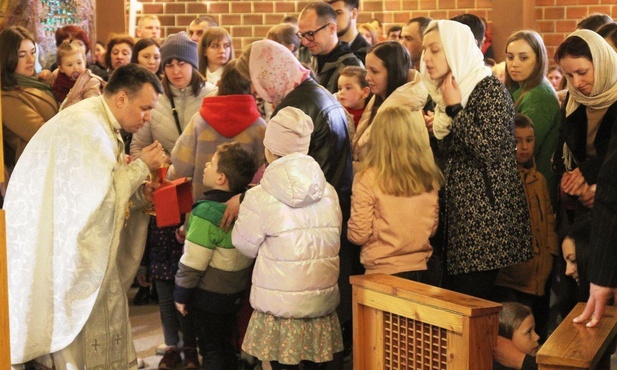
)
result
[(229, 115)]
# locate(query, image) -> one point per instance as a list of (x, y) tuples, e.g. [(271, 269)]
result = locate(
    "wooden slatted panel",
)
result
[(411, 344)]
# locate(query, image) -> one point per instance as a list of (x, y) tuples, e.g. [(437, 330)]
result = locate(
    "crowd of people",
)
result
[(327, 149)]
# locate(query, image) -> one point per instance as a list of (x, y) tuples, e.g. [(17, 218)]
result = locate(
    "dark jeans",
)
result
[(173, 322), (215, 335)]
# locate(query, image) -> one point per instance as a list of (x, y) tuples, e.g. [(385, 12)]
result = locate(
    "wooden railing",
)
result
[(575, 346), (402, 324)]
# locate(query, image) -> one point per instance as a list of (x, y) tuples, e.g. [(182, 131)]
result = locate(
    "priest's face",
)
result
[(135, 111)]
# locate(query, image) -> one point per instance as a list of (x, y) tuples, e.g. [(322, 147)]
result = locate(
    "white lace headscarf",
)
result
[(604, 91), (466, 62)]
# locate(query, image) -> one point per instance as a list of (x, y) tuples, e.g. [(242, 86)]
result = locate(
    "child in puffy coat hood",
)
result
[(291, 224)]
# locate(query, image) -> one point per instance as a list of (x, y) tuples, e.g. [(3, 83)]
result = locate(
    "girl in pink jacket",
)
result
[(394, 202)]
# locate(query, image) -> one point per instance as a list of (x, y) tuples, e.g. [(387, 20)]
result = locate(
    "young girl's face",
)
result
[(218, 53), (150, 58), (72, 65), (569, 255), (26, 58), (376, 75), (525, 337), (434, 56), (350, 93), (520, 60)]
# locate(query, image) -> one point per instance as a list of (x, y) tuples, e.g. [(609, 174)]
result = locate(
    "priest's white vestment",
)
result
[(67, 202)]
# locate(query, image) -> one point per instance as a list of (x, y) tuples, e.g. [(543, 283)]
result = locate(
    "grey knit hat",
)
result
[(179, 46)]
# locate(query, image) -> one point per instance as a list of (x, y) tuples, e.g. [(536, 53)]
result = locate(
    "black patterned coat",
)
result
[(486, 212)]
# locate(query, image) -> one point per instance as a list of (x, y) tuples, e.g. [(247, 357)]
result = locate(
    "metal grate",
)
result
[(411, 344)]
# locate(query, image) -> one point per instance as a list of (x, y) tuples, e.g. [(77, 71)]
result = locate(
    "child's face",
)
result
[(525, 337), (211, 172), (525, 142), (569, 255), (350, 94), (73, 65)]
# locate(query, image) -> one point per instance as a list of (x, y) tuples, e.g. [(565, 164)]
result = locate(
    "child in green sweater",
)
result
[(212, 274)]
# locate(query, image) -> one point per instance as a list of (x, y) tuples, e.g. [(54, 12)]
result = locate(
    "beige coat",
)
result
[(24, 111), (393, 231)]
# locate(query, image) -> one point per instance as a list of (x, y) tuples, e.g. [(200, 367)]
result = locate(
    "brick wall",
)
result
[(248, 21), (555, 19)]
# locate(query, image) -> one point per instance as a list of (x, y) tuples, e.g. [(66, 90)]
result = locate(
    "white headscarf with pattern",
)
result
[(466, 62), (604, 91), (275, 71)]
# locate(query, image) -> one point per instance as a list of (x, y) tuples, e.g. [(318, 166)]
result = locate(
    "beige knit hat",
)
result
[(289, 132)]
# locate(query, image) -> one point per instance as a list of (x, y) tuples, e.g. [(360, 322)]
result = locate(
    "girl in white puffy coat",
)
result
[(291, 224)]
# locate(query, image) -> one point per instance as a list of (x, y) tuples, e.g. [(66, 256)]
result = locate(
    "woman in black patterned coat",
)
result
[(487, 220)]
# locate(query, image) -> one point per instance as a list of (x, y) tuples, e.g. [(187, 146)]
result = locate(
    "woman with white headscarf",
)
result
[(487, 221), (589, 63)]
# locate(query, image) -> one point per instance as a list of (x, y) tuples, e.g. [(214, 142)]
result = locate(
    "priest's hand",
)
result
[(153, 155), (148, 190)]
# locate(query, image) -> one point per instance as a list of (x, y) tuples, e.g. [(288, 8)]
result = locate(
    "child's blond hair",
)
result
[(67, 48), (398, 147), (511, 317)]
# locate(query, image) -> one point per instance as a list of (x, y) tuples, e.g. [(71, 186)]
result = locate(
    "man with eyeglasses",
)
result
[(346, 17), (327, 55)]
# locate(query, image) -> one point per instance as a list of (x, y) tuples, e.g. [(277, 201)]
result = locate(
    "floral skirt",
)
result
[(290, 341)]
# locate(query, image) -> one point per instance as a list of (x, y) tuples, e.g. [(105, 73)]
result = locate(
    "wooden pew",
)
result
[(402, 324), (575, 346)]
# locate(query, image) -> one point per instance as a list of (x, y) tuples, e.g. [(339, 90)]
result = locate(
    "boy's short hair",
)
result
[(358, 72), (237, 164), (66, 48), (522, 121), (511, 317)]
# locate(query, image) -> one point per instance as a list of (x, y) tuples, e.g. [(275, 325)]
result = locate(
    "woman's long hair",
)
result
[(212, 34), (10, 41), (399, 150), (534, 40), (397, 61)]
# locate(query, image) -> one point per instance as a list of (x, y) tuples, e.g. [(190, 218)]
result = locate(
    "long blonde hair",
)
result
[(398, 148)]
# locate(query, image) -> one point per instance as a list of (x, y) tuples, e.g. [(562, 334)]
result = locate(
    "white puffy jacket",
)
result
[(291, 224)]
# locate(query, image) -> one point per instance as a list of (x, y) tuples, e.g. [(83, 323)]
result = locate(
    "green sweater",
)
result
[(540, 104)]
